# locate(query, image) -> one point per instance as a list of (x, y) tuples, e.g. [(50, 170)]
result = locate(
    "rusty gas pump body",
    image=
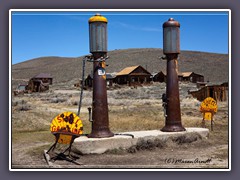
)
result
[(98, 48), (171, 48)]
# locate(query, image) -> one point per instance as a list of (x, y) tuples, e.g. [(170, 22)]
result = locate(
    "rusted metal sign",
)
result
[(208, 116), (65, 127), (208, 108), (67, 123), (209, 105)]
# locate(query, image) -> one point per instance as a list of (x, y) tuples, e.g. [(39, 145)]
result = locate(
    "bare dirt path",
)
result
[(200, 154)]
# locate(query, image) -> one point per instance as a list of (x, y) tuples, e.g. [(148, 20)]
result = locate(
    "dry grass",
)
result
[(135, 119), (36, 137)]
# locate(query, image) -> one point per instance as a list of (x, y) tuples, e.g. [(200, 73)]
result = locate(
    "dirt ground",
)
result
[(32, 115), (182, 157)]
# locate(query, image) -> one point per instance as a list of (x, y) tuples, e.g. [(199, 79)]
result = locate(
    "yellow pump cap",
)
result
[(97, 18)]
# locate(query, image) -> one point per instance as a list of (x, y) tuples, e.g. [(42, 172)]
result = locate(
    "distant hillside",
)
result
[(214, 67)]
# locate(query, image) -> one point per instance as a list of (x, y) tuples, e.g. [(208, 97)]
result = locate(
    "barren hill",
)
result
[(214, 67)]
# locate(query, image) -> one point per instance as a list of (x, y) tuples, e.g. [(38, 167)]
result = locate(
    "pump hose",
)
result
[(125, 134), (81, 93), (120, 134)]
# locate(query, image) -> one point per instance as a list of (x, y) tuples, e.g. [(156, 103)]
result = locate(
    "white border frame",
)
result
[(115, 10)]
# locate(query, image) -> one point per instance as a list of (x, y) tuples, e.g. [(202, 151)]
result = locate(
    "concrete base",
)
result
[(100, 145)]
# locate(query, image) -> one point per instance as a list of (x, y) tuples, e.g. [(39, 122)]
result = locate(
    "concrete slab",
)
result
[(100, 145)]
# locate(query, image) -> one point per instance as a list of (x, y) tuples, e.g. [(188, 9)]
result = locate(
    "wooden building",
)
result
[(182, 76), (44, 77), (201, 84), (110, 77), (133, 75), (225, 84), (40, 82), (160, 77), (88, 82), (217, 92), (190, 77)]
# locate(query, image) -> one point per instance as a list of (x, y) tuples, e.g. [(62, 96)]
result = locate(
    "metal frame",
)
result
[(62, 156)]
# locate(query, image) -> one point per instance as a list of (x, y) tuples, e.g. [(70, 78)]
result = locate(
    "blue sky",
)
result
[(65, 34)]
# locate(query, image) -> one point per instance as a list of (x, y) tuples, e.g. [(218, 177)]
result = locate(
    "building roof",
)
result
[(108, 76), (163, 72), (214, 84), (155, 74), (185, 74), (43, 75), (89, 76), (127, 70)]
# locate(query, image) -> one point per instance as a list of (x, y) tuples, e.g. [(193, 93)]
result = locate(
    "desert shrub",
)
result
[(116, 151), (73, 101), (24, 107), (188, 138), (57, 100), (190, 102), (15, 103), (21, 105), (130, 94), (124, 93), (119, 102), (149, 144)]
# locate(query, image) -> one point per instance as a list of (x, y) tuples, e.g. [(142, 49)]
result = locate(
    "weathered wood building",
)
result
[(110, 77), (40, 82), (133, 75), (182, 76), (217, 92), (44, 77), (88, 82), (160, 77), (190, 77), (201, 84)]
